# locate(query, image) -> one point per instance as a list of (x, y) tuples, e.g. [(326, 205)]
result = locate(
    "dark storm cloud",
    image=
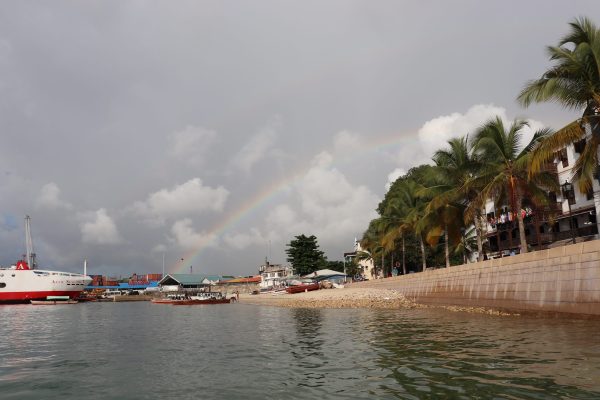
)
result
[(107, 104)]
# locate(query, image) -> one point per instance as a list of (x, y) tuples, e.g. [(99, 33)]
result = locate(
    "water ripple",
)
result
[(146, 351)]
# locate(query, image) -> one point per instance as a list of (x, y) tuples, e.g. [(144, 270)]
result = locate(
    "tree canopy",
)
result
[(304, 254)]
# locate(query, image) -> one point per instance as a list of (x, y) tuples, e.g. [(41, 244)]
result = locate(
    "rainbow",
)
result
[(269, 191)]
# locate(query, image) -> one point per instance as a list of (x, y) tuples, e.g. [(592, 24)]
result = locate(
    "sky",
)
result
[(213, 132)]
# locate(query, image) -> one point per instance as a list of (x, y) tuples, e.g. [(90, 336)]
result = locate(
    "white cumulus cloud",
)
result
[(191, 197), (187, 238), (49, 197), (100, 230), (435, 133), (330, 206), (392, 176)]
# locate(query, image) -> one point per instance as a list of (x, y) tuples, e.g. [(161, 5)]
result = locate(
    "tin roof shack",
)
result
[(339, 278), (183, 283)]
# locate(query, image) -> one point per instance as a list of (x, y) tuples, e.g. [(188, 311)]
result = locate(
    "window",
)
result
[(2, 285), (562, 156), (589, 195), (579, 146)]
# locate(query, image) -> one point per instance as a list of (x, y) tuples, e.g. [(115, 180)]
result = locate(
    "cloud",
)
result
[(191, 144), (392, 176), (330, 206), (101, 230), (347, 142), (50, 198), (186, 237), (191, 197), (435, 133), (257, 147), (241, 241)]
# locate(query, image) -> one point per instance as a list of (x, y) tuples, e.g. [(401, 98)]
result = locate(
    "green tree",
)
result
[(458, 169), (574, 82), (304, 255), (335, 265), (508, 178)]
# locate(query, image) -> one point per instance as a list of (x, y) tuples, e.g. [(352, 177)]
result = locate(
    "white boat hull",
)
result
[(22, 286)]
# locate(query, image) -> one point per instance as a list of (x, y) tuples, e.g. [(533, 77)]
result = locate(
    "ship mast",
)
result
[(30, 256)]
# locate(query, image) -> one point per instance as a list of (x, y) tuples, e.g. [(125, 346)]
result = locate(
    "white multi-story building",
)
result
[(572, 215), (273, 275), (367, 266)]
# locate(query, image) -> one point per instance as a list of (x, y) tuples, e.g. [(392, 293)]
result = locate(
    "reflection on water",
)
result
[(307, 346), (146, 351)]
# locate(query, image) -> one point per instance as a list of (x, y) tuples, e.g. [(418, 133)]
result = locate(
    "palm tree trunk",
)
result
[(446, 247), (403, 257), (423, 253), (479, 233), (522, 232)]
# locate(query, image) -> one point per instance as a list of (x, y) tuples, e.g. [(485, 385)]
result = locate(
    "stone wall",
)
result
[(230, 288), (564, 279)]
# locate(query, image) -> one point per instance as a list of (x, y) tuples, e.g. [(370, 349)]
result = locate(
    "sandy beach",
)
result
[(335, 298), (354, 297)]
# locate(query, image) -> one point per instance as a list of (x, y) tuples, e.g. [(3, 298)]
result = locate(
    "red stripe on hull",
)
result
[(24, 297)]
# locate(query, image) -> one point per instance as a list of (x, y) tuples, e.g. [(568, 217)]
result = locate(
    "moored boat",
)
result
[(302, 288), (203, 298), (23, 282), (54, 300), (169, 299)]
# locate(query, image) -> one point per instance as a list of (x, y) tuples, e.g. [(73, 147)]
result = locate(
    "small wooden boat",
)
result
[(302, 288), (203, 298), (170, 299), (54, 300), (191, 302)]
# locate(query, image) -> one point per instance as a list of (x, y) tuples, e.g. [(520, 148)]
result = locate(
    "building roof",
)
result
[(323, 272), (183, 279), (253, 279), (192, 279)]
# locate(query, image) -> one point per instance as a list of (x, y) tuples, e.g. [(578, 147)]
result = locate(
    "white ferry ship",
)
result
[(23, 282)]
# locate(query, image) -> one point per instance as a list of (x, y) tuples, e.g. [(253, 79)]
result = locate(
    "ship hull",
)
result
[(22, 286)]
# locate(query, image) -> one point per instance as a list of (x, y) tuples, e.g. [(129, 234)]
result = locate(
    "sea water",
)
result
[(235, 351)]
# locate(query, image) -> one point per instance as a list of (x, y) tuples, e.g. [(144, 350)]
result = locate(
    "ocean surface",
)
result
[(235, 351)]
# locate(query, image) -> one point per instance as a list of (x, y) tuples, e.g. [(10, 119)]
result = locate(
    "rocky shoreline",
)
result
[(353, 297)]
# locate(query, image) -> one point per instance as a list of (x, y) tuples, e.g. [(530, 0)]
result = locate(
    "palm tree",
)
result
[(467, 244), (574, 82), (413, 220), (452, 189), (508, 178)]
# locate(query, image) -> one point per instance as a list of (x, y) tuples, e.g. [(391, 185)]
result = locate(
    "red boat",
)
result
[(191, 302), (302, 288)]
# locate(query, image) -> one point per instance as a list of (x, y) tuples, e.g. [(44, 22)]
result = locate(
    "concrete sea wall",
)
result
[(560, 280)]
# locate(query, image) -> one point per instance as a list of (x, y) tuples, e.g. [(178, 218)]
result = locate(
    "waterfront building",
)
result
[(186, 282), (273, 275), (366, 265), (570, 217)]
